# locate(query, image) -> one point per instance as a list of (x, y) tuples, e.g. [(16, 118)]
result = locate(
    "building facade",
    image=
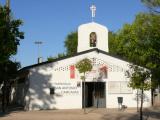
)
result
[(58, 84)]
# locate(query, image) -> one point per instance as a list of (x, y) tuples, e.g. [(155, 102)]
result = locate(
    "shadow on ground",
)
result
[(120, 116), (148, 114), (12, 109), (152, 114)]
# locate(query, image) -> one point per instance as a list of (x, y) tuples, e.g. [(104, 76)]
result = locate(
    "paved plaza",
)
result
[(91, 114)]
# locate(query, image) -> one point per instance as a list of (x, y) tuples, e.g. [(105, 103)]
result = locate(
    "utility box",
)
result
[(120, 100)]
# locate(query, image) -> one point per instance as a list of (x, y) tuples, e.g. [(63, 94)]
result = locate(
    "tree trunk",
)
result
[(84, 93), (158, 95), (137, 101), (141, 108), (4, 98), (4, 90)]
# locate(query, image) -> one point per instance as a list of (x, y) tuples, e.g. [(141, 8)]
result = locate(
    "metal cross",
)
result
[(93, 10)]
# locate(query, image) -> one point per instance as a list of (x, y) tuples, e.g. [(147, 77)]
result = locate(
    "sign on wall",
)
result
[(67, 88)]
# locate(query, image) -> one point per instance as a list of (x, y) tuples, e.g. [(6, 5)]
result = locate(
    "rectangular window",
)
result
[(119, 87)]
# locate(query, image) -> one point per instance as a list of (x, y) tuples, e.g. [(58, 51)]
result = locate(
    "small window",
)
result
[(52, 91), (93, 39)]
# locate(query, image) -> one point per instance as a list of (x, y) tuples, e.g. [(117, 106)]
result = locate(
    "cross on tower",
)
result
[(93, 10)]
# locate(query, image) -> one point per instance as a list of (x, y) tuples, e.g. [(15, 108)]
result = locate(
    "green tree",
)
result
[(10, 37), (112, 43), (71, 43), (9, 34), (153, 5), (140, 79), (139, 43), (84, 66), (60, 55)]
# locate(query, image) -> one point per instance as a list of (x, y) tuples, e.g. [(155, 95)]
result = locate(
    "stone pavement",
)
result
[(77, 114)]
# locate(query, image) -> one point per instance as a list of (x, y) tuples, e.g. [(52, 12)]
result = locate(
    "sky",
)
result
[(50, 21)]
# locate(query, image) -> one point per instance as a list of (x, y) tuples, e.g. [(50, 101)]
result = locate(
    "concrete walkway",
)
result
[(91, 114)]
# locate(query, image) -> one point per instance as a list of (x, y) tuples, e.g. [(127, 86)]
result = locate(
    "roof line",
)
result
[(65, 57)]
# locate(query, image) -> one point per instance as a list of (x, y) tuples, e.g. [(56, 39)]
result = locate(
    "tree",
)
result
[(112, 43), (60, 55), (71, 43), (139, 43), (10, 37), (84, 66), (140, 79), (153, 5)]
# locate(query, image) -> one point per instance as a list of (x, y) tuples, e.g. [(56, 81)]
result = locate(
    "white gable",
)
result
[(60, 70), (84, 32)]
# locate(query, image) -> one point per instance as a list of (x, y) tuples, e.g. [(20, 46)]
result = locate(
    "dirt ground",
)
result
[(77, 114)]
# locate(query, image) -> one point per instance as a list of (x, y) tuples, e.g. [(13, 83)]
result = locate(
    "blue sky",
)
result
[(51, 20)]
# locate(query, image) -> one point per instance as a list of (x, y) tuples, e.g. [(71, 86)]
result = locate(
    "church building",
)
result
[(57, 84)]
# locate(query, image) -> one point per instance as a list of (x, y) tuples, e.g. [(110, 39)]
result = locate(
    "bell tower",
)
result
[(92, 35)]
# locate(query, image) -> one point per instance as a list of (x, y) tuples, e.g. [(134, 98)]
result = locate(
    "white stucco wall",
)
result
[(116, 72), (84, 31), (56, 74), (67, 94)]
